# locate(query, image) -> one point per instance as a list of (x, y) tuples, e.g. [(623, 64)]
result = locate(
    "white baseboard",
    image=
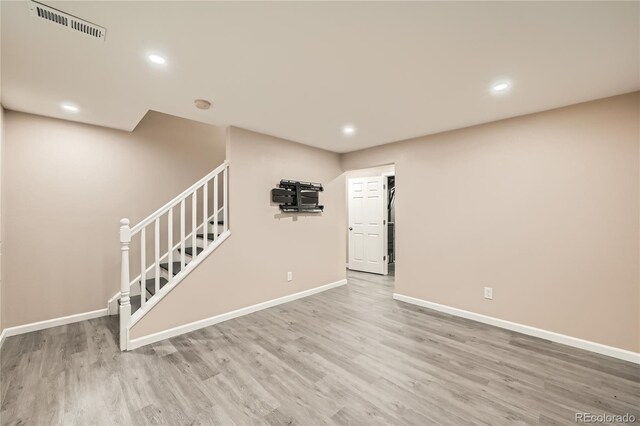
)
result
[(142, 311), (112, 304), (186, 328), (55, 322), (525, 329)]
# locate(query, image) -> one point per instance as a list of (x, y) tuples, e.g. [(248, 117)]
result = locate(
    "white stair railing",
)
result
[(127, 234)]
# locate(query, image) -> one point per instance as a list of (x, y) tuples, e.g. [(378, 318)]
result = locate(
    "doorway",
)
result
[(371, 221), (391, 224)]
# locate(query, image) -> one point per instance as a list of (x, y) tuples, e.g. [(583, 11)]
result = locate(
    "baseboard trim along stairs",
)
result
[(54, 322), (196, 325), (156, 337), (112, 304), (137, 316), (575, 342), (187, 243)]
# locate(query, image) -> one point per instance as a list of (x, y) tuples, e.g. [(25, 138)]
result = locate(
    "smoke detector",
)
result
[(202, 104), (70, 22)]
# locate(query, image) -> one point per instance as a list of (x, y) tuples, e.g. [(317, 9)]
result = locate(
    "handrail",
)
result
[(184, 194), (127, 233), (163, 257), (176, 246)]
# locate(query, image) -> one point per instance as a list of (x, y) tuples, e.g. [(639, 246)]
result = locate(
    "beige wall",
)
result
[(66, 185), (1, 222), (544, 208), (252, 265), (370, 171)]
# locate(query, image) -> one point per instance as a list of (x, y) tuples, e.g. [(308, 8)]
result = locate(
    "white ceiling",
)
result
[(302, 70)]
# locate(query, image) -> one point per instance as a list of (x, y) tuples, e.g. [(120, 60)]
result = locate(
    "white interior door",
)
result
[(367, 236)]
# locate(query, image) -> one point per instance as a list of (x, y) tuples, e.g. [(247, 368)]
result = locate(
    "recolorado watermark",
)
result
[(605, 418)]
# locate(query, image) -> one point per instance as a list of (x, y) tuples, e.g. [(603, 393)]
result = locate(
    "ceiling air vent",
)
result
[(70, 22)]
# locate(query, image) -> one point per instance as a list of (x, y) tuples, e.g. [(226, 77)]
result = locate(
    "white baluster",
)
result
[(225, 199), (143, 266), (182, 235), (205, 216), (125, 302), (194, 219), (170, 240), (157, 255), (215, 207)]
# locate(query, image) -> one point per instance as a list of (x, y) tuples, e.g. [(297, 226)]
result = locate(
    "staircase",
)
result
[(165, 257)]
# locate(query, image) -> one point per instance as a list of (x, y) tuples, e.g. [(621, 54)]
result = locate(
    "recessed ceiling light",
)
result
[(500, 87), (157, 59), (348, 130), (70, 108)]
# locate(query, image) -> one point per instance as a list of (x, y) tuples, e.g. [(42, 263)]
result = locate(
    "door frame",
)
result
[(386, 175), (385, 226)]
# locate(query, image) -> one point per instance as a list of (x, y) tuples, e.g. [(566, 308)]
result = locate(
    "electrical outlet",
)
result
[(289, 276), (488, 293)]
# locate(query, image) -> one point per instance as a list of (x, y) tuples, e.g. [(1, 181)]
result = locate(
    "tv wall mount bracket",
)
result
[(295, 196)]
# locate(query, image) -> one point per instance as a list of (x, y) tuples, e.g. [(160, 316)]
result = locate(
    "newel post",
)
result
[(125, 303)]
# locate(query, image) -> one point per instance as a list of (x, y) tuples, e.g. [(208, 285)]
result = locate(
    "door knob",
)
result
[(350, 229)]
